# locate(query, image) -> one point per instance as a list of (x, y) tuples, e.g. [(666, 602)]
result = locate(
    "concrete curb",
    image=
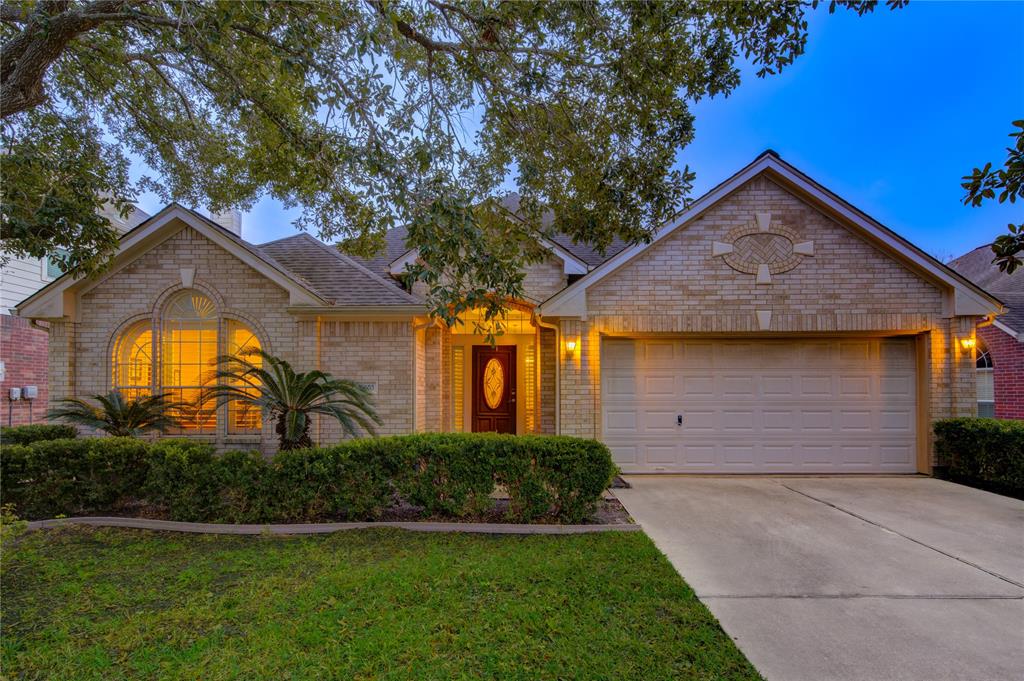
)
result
[(326, 528)]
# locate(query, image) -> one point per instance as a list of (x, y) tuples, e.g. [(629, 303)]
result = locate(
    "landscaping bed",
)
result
[(435, 477), (87, 603)]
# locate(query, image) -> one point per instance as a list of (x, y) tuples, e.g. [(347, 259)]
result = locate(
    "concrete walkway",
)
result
[(873, 579)]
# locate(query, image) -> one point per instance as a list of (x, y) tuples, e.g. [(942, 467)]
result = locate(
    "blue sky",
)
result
[(888, 110)]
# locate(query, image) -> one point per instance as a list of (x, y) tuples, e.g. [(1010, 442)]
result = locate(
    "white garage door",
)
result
[(760, 406)]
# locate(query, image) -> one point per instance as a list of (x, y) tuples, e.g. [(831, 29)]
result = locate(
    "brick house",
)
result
[(999, 353), (770, 327), (23, 347)]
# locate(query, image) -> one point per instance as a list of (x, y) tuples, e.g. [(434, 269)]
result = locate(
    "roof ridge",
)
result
[(284, 238)]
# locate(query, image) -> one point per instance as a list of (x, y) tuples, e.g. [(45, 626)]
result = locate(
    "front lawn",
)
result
[(372, 604)]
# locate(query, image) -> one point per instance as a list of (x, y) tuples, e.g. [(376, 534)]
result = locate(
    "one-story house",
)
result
[(769, 327), (999, 353)]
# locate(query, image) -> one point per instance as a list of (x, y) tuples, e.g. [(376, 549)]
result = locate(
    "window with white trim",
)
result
[(984, 375)]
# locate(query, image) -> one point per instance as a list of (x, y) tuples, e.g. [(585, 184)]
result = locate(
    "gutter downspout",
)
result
[(558, 368)]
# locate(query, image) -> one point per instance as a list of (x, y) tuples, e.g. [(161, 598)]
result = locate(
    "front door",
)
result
[(494, 389)]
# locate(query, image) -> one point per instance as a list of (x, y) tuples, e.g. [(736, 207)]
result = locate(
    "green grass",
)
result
[(373, 604)]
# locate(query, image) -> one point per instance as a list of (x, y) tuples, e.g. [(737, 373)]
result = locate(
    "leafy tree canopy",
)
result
[(372, 113), (1002, 184)]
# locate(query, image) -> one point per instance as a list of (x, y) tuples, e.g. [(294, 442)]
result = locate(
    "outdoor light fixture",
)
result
[(967, 343), (570, 346)]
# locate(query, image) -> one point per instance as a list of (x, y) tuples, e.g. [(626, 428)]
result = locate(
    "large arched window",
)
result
[(985, 380), (192, 335)]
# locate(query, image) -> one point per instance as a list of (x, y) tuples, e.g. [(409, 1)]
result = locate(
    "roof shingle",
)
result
[(335, 276)]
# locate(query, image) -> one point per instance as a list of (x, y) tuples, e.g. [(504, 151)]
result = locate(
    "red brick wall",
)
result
[(23, 352), (1008, 371)]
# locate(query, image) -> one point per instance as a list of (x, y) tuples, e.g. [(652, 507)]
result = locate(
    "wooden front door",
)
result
[(494, 389)]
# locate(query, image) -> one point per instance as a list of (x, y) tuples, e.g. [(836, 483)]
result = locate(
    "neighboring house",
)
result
[(770, 327), (1000, 349), (23, 347)]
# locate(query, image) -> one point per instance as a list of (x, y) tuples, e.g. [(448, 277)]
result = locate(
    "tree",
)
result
[(1002, 184), (262, 381), (116, 416), (369, 113)]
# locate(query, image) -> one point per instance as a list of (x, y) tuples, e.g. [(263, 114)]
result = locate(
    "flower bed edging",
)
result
[(326, 528)]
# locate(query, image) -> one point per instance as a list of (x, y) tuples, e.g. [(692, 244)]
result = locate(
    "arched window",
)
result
[(985, 383), (188, 356), (191, 335), (133, 361)]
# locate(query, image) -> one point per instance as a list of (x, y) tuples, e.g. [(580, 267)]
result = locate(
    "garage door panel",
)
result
[(698, 386), (812, 385), (621, 422), (851, 420), (854, 386), (818, 405)]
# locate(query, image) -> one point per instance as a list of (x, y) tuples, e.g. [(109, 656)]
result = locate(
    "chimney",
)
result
[(230, 220)]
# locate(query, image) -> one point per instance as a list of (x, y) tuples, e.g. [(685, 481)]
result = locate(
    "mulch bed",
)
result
[(608, 512)]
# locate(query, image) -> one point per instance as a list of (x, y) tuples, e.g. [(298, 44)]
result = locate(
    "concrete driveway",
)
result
[(875, 579)]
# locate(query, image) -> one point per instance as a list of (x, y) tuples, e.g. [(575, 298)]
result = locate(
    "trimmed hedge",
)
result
[(26, 435), (67, 476), (445, 475), (983, 450)]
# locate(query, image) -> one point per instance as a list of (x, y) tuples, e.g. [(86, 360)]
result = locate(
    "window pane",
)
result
[(987, 409), (133, 360), (53, 270), (196, 412), (242, 342), (986, 386), (189, 352)]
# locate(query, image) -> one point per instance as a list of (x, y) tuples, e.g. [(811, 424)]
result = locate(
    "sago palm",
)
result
[(269, 383), (117, 416)]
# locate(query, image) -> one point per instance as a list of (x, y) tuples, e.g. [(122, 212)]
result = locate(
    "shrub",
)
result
[(982, 449), (245, 488), (351, 481), (184, 476), (454, 474), (69, 476), (447, 475), (26, 435)]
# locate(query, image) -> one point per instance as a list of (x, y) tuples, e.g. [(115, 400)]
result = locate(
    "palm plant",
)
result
[(117, 416), (260, 380)]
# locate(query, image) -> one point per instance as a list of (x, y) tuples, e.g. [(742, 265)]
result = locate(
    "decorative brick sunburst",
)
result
[(762, 248)]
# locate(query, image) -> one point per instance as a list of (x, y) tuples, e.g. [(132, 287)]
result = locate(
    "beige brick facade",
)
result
[(849, 286), (704, 278), (544, 279), (378, 352)]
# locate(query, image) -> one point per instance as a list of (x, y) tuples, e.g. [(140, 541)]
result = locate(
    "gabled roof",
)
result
[(977, 266), (579, 258), (333, 274), (968, 298), (56, 300)]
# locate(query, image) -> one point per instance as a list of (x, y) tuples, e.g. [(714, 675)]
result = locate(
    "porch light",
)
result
[(570, 346), (967, 343)]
